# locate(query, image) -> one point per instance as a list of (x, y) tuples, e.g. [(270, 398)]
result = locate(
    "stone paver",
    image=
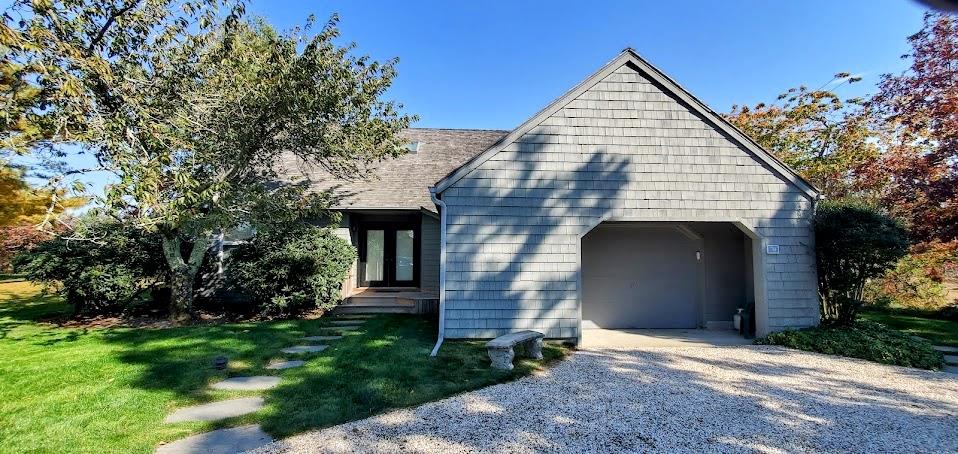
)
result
[(299, 349), (951, 369), (280, 365), (322, 338), (951, 359), (347, 322), (946, 349), (678, 399), (339, 328), (254, 383), (223, 441), (354, 316), (216, 410)]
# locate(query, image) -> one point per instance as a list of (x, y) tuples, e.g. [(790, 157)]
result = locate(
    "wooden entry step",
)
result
[(390, 301)]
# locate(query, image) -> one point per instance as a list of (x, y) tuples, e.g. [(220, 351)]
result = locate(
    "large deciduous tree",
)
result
[(919, 113), (191, 107), (824, 138)]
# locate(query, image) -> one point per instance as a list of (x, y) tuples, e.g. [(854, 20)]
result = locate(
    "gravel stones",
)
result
[(738, 399)]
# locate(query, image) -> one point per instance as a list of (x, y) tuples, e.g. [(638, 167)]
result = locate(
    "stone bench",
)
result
[(503, 349)]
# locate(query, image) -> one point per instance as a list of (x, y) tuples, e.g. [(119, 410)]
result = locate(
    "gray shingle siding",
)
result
[(342, 231), (429, 256), (627, 150)]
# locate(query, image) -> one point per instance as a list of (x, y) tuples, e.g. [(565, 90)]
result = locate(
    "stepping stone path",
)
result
[(244, 438), (951, 358), (254, 383), (223, 441), (322, 338), (280, 365), (216, 410), (340, 328), (300, 349)]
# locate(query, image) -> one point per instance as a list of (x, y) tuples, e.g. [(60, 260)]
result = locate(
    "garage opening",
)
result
[(665, 275)]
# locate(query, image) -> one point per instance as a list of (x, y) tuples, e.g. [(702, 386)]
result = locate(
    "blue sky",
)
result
[(492, 64)]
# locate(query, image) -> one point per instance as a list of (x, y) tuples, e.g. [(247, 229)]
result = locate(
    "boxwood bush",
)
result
[(100, 267), (289, 271), (863, 339)]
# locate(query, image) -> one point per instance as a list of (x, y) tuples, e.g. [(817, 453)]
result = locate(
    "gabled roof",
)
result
[(399, 183), (629, 56)]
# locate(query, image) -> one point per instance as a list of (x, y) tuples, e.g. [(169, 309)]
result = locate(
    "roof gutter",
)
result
[(442, 269)]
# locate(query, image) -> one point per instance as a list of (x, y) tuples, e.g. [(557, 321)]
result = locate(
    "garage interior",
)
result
[(659, 275)]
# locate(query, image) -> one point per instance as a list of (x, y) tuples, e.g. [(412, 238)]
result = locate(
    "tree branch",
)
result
[(116, 13)]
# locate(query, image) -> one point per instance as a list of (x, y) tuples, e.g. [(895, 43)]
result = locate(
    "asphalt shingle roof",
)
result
[(402, 182)]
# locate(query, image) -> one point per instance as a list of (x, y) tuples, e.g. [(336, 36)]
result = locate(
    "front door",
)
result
[(389, 255)]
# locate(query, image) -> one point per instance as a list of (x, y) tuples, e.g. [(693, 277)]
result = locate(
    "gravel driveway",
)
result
[(705, 399)]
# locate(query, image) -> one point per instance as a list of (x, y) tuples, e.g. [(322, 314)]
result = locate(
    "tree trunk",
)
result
[(181, 295), (182, 273)]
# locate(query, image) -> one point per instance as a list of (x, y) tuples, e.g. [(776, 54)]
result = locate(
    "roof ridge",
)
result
[(630, 57), (459, 129)]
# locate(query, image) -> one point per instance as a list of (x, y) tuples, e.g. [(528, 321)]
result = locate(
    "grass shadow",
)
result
[(383, 367)]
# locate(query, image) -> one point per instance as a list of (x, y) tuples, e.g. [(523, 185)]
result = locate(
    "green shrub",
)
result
[(853, 244), (106, 271), (290, 271), (864, 340)]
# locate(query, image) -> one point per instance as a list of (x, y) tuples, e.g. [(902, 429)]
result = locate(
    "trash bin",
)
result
[(747, 327)]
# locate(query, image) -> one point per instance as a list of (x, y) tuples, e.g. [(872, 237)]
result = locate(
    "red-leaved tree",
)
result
[(18, 238), (919, 114)]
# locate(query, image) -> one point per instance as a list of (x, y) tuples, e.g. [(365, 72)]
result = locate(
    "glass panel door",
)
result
[(375, 255), (405, 255), (389, 254)]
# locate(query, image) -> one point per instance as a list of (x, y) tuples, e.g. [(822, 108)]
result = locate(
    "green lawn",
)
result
[(108, 390), (938, 331)]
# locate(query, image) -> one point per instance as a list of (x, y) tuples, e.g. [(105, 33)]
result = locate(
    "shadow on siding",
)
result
[(520, 271)]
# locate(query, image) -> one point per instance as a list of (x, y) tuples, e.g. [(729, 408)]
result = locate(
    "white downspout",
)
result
[(442, 269)]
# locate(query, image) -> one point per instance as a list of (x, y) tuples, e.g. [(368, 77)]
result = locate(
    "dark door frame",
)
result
[(389, 229)]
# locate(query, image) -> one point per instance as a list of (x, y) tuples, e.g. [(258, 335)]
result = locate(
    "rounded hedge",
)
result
[(291, 271)]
